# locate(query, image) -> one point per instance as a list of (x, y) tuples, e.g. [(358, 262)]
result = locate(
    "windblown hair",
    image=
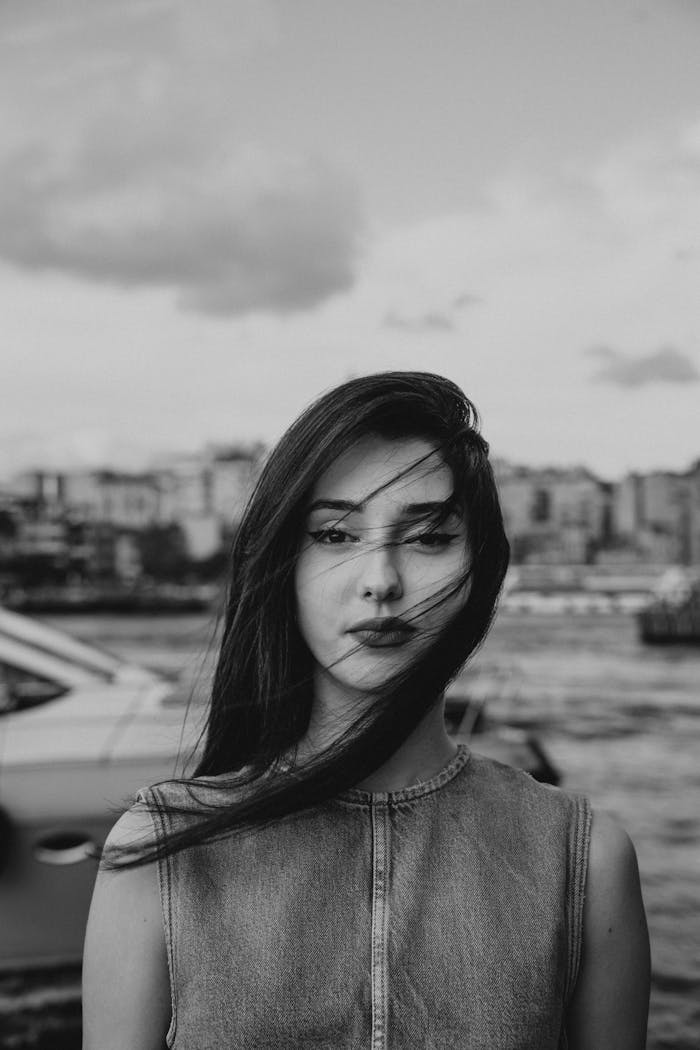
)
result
[(262, 693)]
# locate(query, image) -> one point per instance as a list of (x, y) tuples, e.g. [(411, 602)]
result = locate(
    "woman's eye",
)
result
[(433, 539), (330, 537)]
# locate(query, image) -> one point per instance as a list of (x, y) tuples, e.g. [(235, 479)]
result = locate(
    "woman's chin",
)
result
[(368, 674)]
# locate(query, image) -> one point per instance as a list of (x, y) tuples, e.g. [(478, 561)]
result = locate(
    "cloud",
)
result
[(466, 299), (665, 365), (279, 234), (428, 322), (685, 255), (149, 185)]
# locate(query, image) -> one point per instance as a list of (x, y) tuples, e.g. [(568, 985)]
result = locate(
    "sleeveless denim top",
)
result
[(445, 915)]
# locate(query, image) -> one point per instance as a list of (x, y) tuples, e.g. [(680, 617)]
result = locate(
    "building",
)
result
[(184, 487), (127, 501), (692, 481), (205, 493), (655, 514), (234, 472), (553, 515)]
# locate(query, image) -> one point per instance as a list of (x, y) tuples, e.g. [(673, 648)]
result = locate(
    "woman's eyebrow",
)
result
[(442, 507), (335, 504)]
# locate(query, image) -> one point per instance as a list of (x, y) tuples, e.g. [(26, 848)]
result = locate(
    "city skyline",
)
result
[(163, 460), (566, 516)]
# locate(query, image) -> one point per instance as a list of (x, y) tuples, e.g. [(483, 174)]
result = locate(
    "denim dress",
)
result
[(444, 915)]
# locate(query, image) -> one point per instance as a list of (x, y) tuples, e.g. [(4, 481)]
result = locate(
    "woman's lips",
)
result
[(383, 639), (383, 634)]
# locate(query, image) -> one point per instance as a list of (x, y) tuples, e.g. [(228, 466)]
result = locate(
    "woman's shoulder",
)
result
[(517, 788), (611, 998), (508, 805), (613, 871), (189, 793)]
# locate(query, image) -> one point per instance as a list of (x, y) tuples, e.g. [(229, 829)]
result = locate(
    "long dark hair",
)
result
[(262, 691)]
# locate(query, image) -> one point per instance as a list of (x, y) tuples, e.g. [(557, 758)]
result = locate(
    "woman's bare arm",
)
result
[(126, 987), (611, 999)]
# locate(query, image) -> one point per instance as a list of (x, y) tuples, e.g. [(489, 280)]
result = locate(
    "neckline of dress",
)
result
[(412, 791)]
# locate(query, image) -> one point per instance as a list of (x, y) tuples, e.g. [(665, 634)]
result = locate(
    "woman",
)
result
[(338, 873)]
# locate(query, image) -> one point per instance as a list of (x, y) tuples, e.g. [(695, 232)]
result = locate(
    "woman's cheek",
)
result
[(438, 574)]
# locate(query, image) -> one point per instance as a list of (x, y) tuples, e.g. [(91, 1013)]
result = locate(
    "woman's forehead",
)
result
[(406, 470)]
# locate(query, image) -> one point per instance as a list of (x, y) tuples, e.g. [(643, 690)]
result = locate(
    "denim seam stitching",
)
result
[(165, 881), (378, 972), (578, 870), (367, 799)]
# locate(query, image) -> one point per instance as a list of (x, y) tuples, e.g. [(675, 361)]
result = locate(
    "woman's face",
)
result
[(376, 576)]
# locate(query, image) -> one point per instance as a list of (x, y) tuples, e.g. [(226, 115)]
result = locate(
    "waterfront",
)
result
[(622, 722)]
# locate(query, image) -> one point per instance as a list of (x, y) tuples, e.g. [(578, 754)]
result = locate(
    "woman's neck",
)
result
[(421, 756)]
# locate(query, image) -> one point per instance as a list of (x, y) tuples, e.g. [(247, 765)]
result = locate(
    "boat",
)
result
[(673, 616)]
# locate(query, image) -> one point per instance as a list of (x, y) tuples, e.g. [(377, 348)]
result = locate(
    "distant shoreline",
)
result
[(165, 599), (528, 588)]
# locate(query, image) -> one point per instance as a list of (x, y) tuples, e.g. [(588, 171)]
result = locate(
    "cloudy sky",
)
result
[(211, 212)]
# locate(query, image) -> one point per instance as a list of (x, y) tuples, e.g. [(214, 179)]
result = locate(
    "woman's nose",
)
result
[(380, 578)]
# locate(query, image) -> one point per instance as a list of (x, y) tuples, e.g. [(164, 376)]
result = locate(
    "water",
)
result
[(620, 720)]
